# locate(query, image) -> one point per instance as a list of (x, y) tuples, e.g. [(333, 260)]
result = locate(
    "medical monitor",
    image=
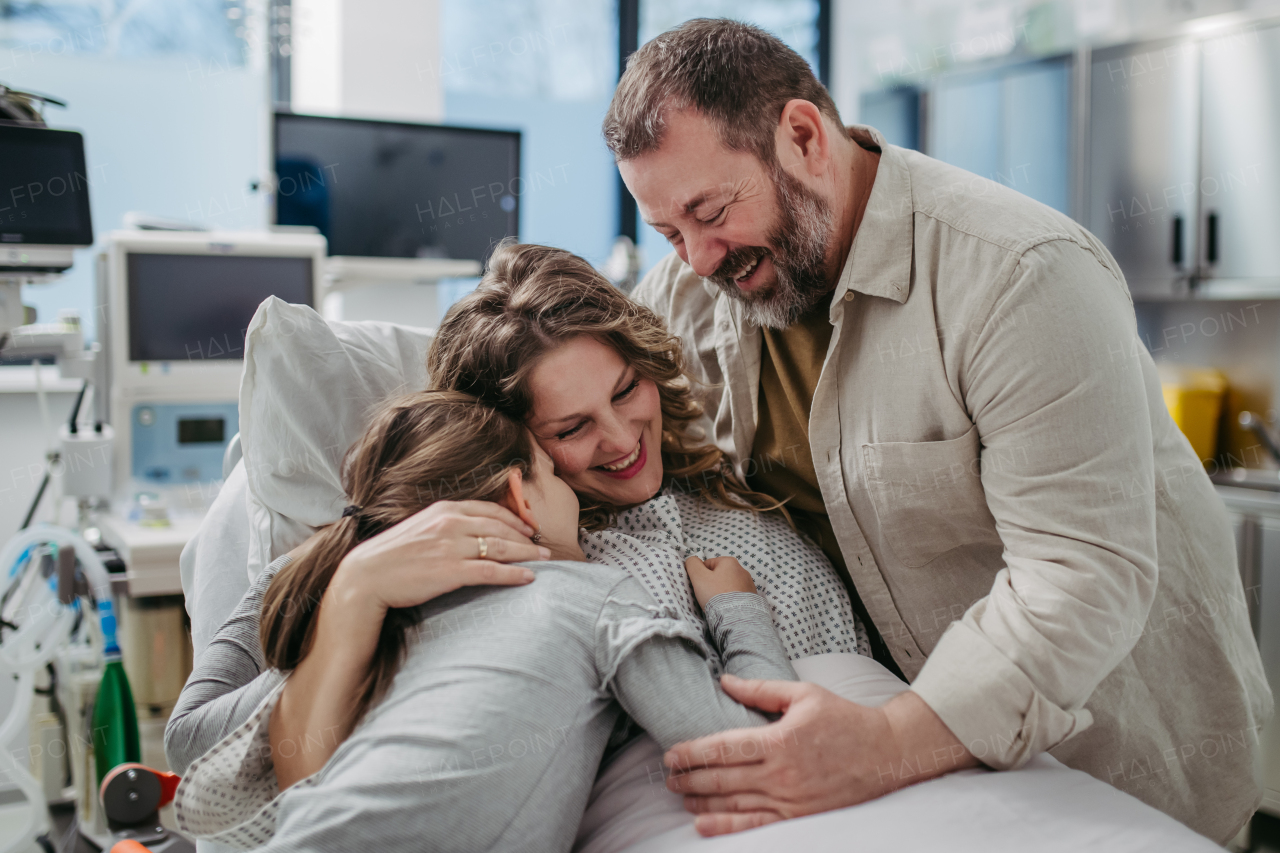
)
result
[(398, 190), (177, 306), (44, 198), (185, 306)]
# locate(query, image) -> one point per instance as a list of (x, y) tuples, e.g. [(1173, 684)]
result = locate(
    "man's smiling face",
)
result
[(759, 233)]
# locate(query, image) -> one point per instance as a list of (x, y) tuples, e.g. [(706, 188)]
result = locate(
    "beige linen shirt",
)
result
[(1036, 541)]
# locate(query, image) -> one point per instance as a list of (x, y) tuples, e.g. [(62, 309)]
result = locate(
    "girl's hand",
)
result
[(433, 552), (717, 575)]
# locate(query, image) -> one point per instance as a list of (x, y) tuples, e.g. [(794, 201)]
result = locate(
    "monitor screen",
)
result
[(44, 187), (392, 190), (196, 307)]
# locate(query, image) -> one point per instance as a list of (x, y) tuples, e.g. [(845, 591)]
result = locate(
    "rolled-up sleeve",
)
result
[(1054, 380)]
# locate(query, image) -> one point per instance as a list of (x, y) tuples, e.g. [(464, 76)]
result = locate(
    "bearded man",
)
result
[(943, 379)]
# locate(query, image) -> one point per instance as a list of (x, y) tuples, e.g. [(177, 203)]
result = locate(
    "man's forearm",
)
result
[(928, 748)]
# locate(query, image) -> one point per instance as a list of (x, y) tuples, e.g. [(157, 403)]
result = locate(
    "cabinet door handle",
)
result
[(1177, 240), (1211, 239)]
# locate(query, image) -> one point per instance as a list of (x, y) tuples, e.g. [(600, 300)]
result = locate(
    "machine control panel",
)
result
[(177, 443)]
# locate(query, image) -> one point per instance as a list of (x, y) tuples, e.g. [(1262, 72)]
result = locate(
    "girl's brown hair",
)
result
[(429, 446), (534, 298)]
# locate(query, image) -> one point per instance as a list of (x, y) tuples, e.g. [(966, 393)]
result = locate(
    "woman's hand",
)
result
[(717, 575), (428, 554), (433, 552)]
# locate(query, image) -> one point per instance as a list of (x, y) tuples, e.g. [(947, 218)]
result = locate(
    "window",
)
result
[(796, 22), (546, 68), (793, 21)]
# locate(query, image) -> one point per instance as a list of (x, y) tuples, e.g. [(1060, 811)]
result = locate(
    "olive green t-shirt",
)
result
[(781, 463)]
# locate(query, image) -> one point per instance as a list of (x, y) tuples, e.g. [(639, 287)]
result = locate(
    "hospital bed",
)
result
[(307, 389)]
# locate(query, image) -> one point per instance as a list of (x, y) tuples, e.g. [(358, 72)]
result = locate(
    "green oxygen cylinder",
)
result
[(115, 719)]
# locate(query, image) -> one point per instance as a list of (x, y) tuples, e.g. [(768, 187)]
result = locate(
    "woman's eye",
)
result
[(570, 433), (626, 392)]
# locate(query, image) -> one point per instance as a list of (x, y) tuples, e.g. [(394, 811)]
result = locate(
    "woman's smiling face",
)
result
[(599, 420)]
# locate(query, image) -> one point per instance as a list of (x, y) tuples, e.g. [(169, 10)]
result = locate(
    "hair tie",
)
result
[(352, 509)]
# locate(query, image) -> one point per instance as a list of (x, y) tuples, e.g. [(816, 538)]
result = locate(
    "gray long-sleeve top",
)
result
[(228, 682), (492, 732)]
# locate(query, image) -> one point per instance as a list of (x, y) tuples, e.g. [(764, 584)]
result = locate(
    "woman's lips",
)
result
[(631, 470)]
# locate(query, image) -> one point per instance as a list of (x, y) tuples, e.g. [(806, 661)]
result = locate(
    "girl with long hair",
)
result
[(474, 720)]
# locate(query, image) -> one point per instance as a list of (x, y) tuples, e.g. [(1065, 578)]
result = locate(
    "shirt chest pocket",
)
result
[(928, 496)]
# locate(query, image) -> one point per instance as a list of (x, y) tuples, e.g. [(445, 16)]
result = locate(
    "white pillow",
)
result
[(308, 391)]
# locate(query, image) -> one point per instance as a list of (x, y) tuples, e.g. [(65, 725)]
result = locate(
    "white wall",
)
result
[(367, 58)]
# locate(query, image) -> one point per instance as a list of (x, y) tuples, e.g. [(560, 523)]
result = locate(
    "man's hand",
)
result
[(717, 575), (825, 753)]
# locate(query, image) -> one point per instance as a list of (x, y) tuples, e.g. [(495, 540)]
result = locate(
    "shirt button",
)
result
[(848, 296)]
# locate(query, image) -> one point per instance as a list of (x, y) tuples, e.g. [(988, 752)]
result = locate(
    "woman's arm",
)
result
[(425, 556), (315, 713)]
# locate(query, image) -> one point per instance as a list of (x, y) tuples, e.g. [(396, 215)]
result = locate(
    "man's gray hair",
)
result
[(737, 75)]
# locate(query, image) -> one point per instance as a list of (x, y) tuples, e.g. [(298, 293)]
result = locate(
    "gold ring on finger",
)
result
[(484, 547)]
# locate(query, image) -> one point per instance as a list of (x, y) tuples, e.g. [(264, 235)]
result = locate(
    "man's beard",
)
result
[(800, 240)]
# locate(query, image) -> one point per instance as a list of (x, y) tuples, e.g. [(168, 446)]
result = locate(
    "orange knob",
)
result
[(129, 846)]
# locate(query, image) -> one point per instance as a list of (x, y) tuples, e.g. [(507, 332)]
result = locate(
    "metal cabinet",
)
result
[(1240, 162), (1255, 515), (1143, 155)]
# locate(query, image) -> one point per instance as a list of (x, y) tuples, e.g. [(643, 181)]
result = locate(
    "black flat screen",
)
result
[(194, 307), (44, 187), (394, 190), (201, 430)]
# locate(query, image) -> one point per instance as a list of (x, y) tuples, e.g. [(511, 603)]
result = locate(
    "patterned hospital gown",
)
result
[(809, 604)]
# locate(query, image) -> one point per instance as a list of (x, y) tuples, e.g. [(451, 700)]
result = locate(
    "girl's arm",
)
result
[(227, 682), (740, 620), (741, 625), (662, 679)]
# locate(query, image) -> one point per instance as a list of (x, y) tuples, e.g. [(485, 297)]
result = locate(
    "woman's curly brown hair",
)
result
[(534, 298)]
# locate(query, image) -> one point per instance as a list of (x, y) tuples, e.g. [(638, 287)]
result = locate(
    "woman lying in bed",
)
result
[(475, 721), (542, 338)]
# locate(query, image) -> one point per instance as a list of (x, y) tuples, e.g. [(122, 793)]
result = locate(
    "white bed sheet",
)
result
[(313, 383), (1044, 807)]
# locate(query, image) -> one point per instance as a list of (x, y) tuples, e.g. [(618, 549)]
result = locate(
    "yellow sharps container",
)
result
[(1194, 397)]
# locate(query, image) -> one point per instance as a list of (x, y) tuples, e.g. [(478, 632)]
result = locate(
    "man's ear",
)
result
[(803, 141), (514, 498)]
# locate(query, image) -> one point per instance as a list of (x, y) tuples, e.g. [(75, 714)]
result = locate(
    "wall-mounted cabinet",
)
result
[(1184, 163), (1167, 150), (1240, 160), (1141, 189)]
